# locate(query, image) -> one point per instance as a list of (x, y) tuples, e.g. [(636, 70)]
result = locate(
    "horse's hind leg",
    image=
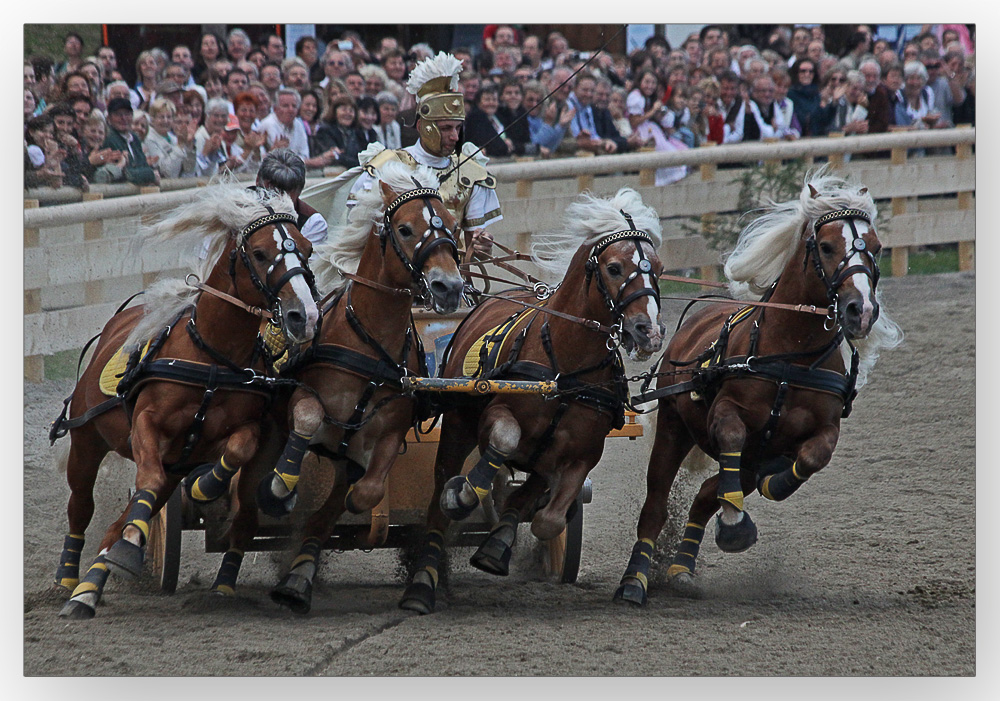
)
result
[(87, 450), (241, 446), (454, 447), (462, 494), (550, 520), (493, 556), (278, 490), (671, 445), (779, 478), (681, 570)]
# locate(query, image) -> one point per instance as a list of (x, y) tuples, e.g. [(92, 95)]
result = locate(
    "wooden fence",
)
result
[(80, 262)]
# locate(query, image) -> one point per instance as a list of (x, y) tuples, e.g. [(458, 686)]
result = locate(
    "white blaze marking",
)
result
[(301, 290), (860, 280), (651, 310)]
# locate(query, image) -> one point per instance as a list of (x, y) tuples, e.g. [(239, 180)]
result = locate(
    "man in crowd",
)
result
[(468, 191), (109, 62), (128, 162), (282, 128), (592, 128), (273, 47), (237, 45), (336, 64)]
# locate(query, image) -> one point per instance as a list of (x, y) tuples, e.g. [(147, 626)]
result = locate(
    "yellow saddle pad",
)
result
[(497, 343), (112, 373)]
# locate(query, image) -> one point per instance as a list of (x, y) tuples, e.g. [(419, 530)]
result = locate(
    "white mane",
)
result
[(442, 65), (586, 221), (766, 244), (202, 228), (345, 244)]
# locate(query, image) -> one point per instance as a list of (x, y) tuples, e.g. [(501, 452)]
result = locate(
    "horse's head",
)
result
[(422, 233), (626, 269), (843, 248), (269, 268)]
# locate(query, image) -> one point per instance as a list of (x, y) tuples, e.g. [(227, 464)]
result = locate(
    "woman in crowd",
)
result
[(210, 50), (210, 152), (916, 109), (339, 139), (140, 125), (547, 122), (29, 105), (251, 143), (367, 119), (212, 82), (196, 104), (484, 128), (309, 112), (512, 114), (160, 144), (334, 89), (647, 117), (92, 70), (375, 77), (388, 129), (71, 85), (146, 78), (804, 94)]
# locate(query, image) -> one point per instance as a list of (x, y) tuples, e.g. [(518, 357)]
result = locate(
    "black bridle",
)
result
[(844, 270), (287, 246), (435, 235), (616, 304)]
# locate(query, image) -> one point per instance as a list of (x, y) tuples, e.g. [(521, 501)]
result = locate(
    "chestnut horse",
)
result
[(397, 246), (609, 295), (762, 391), (199, 393)]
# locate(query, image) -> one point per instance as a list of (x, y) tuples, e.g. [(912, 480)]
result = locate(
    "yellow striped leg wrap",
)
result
[(782, 485), (309, 552), (229, 570), (290, 463), (95, 578), (729, 480), (481, 476), (68, 572), (687, 551), (141, 511), (430, 555), (639, 562), (214, 484)]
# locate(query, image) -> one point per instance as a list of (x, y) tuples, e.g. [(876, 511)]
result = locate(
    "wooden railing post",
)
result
[(966, 201), (34, 365), (900, 254), (708, 173)]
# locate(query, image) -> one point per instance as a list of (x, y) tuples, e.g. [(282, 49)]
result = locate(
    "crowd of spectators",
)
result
[(224, 104)]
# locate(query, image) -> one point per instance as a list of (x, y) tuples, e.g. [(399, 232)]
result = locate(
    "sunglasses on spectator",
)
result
[(806, 70), (336, 63)]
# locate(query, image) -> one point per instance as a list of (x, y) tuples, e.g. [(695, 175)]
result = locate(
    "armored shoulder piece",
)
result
[(389, 155), (473, 173)]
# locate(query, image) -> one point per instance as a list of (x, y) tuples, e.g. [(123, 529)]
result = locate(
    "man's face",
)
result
[(720, 62), (559, 77), (800, 41), (235, 84), (336, 65), (504, 36), (286, 109), (215, 122), (727, 91), (815, 50), (73, 47), (106, 55), (121, 120), (298, 77), (713, 38), (871, 74), (275, 48), (531, 49), (355, 85), (894, 79), (117, 91), (77, 85), (584, 92), (81, 110), (469, 88), (237, 46), (763, 91), (373, 85), (182, 55), (511, 97), (449, 129), (531, 100), (177, 74), (395, 67), (933, 66), (602, 95), (270, 76)]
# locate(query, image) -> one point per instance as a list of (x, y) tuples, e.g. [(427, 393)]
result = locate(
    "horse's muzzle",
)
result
[(445, 290), (642, 336)]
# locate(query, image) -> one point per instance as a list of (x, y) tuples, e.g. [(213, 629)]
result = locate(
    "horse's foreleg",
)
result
[(550, 521), (295, 588), (240, 447), (735, 530), (277, 492), (493, 556), (462, 494), (87, 450), (681, 570), (671, 445), (455, 446), (367, 492), (782, 480)]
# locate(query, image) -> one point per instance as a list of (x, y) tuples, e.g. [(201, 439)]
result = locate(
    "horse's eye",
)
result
[(614, 270), (260, 256), (405, 231), (826, 248)]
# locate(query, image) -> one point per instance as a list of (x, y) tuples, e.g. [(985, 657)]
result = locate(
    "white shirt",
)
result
[(273, 130)]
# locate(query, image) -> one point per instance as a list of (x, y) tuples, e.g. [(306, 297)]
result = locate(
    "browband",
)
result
[(842, 214), (265, 220), (410, 195), (621, 236)]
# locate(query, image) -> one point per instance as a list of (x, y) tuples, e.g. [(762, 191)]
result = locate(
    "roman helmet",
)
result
[(435, 83)]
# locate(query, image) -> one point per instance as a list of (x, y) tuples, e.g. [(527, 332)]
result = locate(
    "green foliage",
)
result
[(932, 259), (759, 185), (48, 39)]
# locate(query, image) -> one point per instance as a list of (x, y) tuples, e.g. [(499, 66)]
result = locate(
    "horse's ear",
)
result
[(388, 194), (862, 190), (813, 191)]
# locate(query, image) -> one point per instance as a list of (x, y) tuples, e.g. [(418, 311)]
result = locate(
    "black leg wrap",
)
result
[(480, 478), (780, 486), (419, 595), (729, 489), (287, 471), (636, 578), (295, 590), (736, 538), (229, 570), (206, 487), (93, 582), (687, 551), (68, 572), (493, 556)]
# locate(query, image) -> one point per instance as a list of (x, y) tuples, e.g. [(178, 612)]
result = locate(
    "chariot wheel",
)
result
[(164, 544)]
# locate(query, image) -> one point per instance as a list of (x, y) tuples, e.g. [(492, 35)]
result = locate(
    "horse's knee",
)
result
[(242, 445), (307, 416), (505, 433)]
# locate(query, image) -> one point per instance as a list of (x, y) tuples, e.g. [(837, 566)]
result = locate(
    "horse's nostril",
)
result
[(295, 318)]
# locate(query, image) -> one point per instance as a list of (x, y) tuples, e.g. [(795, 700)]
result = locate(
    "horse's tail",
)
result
[(62, 457)]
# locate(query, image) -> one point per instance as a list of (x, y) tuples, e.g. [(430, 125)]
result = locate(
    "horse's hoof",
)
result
[(492, 557), (631, 592), (274, 506), (685, 585), (77, 611), (735, 538), (418, 597), (295, 592), (451, 503), (125, 557)]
